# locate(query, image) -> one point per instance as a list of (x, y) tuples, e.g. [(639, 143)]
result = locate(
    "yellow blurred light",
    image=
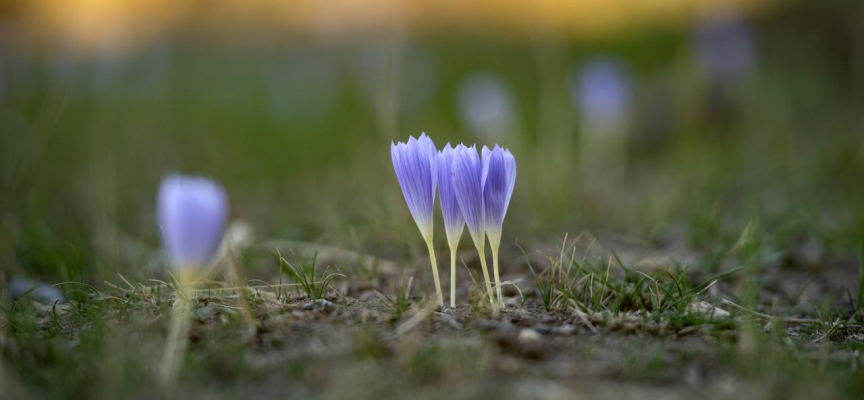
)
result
[(98, 25), (91, 25)]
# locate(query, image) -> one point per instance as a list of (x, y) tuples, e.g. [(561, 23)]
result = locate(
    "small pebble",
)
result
[(529, 336)]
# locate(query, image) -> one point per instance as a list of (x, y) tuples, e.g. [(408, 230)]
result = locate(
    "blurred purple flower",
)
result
[(192, 213), (454, 222), (724, 47), (601, 89), (416, 165), (417, 75), (499, 178)]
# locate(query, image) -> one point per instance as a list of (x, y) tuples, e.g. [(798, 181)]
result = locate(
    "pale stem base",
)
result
[(452, 277), (435, 273), (481, 250), (178, 335), (497, 278)]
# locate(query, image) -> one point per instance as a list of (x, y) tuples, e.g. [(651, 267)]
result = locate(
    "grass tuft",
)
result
[(306, 276)]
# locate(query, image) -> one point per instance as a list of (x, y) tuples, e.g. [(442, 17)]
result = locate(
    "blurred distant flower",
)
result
[(399, 76), (724, 47), (499, 178), (304, 85), (67, 70), (151, 68), (44, 293), (416, 165), (3, 73), (601, 89), (485, 104), (468, 187), (107, 69), (192, 212), (454, 222)]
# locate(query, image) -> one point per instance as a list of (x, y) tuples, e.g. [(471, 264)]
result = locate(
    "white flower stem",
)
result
[(178, 334), (435, 272), (495, 270), (481, 250), (452, 276)]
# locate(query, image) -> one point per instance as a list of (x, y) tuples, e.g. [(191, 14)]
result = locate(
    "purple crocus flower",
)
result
[(416, 166), (192, 212), (499, 178), (468, 187), (454, 223)]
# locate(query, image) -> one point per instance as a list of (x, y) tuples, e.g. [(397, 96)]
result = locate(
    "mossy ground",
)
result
[(367, 338)]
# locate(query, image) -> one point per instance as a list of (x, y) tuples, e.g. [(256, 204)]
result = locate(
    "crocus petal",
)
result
[(192, 213), (498, 179), (454, 223), (416, 166), (467, 186)]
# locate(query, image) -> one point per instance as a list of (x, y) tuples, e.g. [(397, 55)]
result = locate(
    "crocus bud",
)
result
[(454, 223), (467, 185), (499, 178), (416, 166), (192, 212)]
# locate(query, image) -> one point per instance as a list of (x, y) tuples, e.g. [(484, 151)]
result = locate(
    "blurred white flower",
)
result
[(406, 74), (486, 106), (304, 85)]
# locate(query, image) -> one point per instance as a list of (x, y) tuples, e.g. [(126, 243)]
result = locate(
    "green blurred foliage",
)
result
[(86, 142)]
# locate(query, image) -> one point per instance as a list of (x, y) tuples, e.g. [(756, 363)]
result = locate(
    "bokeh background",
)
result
[(671, 121)]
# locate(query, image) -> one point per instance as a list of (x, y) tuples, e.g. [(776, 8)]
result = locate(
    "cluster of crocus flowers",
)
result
[(475, 190)]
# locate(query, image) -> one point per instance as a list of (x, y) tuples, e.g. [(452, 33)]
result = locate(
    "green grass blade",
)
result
[(860, 278)]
